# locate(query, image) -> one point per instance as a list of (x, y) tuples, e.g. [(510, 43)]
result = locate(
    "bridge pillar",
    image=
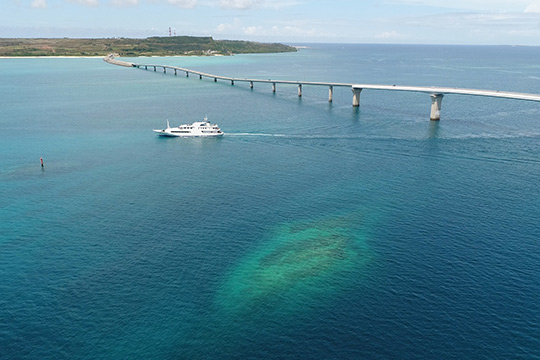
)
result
[(232, 82), (145, 67), (330, 93), (215, 79), (356, 97), (187, 73), (251, 84), (164, 70), (200, 77), (174, 72), (436, 100), (299, 90), (154, 68), (273, 87)]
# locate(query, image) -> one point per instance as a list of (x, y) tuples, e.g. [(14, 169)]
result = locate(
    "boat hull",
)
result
[(197, 129), (166, 133)]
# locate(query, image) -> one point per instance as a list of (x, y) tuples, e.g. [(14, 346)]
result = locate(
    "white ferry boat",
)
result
[(201, 128)]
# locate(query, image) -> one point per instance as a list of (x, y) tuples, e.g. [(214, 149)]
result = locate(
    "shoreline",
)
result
[(103, 56), (52, 57)]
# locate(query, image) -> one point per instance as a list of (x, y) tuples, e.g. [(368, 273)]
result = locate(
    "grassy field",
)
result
[(153, 46)]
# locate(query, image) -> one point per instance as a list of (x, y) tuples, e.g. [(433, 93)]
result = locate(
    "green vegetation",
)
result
[(153, 46)]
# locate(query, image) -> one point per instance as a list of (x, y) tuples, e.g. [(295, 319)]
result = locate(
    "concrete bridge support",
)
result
[(356, 97), (299, 90), (232, 82), (251, 84), (436, 101), (200, 77), (187, 73), (175, 72), (273, 87), (330, 93), (164, 70)]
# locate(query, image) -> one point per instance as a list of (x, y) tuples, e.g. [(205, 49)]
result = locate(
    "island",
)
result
[(129, 47)]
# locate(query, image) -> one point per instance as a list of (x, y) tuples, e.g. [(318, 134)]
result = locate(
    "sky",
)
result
[(474, 22)]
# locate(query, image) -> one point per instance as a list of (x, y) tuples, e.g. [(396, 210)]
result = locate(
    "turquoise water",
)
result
[(310, 230)]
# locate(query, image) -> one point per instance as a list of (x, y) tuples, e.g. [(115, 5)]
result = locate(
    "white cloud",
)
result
[(533, 7), (125, 2), (250, 4), (188, 4), (477, 5), (281, 31), (297, 29), (482, 21), (223, 28), (389, 35), (294, 30), (39, 4), (238, 4), (475, 27), (276, 5), (251, 30), (281, 4), (86, 2)]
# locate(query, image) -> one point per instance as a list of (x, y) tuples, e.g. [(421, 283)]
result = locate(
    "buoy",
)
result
[(41, 160)]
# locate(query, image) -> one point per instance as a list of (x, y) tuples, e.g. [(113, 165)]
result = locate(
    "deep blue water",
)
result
[(309, 231)]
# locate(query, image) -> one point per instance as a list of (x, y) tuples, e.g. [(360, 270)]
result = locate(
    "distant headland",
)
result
[(152, 46)]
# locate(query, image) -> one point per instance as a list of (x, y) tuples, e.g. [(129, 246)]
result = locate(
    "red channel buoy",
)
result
[(41, 160)]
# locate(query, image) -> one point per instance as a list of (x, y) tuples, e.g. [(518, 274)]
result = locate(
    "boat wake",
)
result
[(299, 136), (483, 135), (517, 135), (256, 134)]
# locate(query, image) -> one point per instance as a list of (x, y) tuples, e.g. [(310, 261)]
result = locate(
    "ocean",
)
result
[(310, 230)]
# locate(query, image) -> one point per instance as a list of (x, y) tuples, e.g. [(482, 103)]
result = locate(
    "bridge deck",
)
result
[(235, 79), (449, 90), (355, 87), (423, 89)]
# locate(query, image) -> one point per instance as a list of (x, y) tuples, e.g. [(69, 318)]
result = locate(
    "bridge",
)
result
[(436, 93)]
